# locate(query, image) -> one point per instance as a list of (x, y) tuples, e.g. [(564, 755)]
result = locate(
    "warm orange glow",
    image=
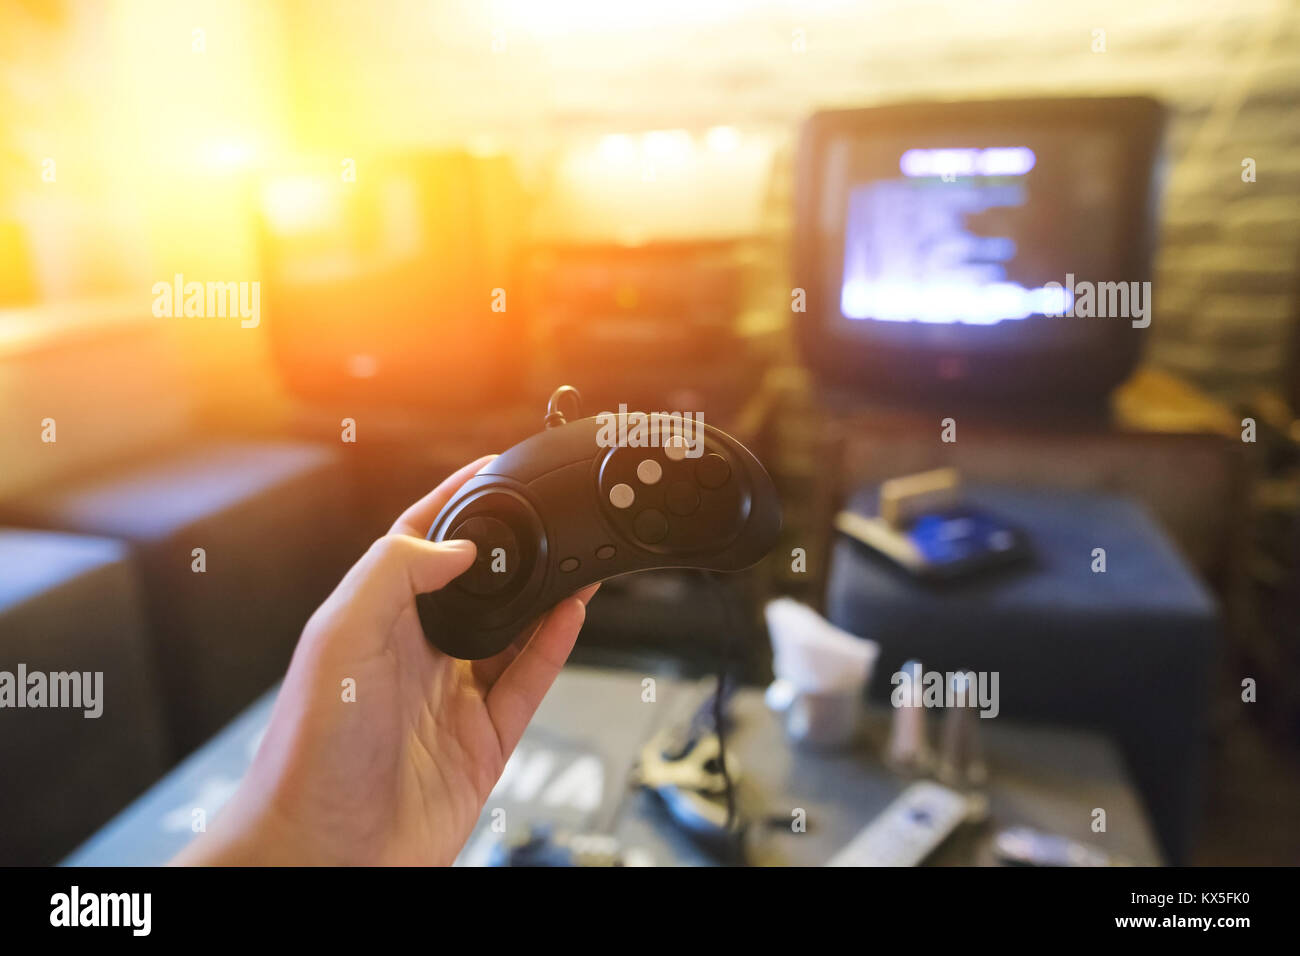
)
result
[(298, 203)]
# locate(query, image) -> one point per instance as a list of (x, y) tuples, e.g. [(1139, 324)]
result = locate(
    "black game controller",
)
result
[(560, 511)]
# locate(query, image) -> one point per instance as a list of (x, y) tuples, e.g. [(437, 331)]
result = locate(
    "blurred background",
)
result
[(437, 212)]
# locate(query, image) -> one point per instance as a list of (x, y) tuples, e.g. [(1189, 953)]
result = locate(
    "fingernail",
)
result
[(459, 544)]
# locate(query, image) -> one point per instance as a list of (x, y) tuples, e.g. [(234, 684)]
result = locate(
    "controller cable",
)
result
[(720, 694)]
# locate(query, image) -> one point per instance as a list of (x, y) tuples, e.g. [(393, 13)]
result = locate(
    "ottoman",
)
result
[(1128, 652), (71, 605), (272, 520)]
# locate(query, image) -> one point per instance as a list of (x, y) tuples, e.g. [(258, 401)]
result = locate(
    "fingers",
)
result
[(428, 565), (396, 568), (489, 670), (379, 587), (516, 695), (417, 519), (587, 593)]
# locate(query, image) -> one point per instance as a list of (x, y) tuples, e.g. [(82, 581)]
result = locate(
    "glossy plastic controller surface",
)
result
[(559, 511)]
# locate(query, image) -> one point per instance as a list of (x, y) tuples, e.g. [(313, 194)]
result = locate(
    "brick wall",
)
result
[(1225, 284)]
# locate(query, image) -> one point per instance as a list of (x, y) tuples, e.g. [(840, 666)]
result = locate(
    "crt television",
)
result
[(997, 250)]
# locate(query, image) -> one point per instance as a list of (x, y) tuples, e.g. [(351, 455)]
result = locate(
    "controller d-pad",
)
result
[(497, 561)]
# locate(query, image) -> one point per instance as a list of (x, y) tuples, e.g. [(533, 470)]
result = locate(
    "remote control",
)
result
[(1022, 846), (560, 511), (908, 830)]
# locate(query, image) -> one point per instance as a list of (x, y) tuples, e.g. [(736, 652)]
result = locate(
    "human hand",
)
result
[(400, 774)]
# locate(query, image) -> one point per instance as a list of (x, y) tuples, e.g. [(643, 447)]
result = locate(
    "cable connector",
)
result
[(554, 415)]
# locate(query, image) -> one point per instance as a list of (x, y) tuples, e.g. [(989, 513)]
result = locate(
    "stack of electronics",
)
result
[(650, 326)]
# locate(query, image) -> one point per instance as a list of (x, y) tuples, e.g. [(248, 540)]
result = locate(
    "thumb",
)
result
[(414, 566), (429, 565), (397, 567)]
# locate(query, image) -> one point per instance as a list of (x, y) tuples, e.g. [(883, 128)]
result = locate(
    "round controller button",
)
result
[(651, 526), (622, 496), (649, 471), (712, 471), (683, 498), (605, 552), (675, 448), (497, 559), (570, 564)]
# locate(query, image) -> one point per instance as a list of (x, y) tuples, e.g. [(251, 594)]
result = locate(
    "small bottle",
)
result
[(908, 751), (961, 758)]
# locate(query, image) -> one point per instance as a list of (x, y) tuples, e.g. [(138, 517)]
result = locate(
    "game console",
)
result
[(570, 507)]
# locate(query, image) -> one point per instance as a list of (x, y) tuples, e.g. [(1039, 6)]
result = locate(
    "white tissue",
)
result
[(812, 655)]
